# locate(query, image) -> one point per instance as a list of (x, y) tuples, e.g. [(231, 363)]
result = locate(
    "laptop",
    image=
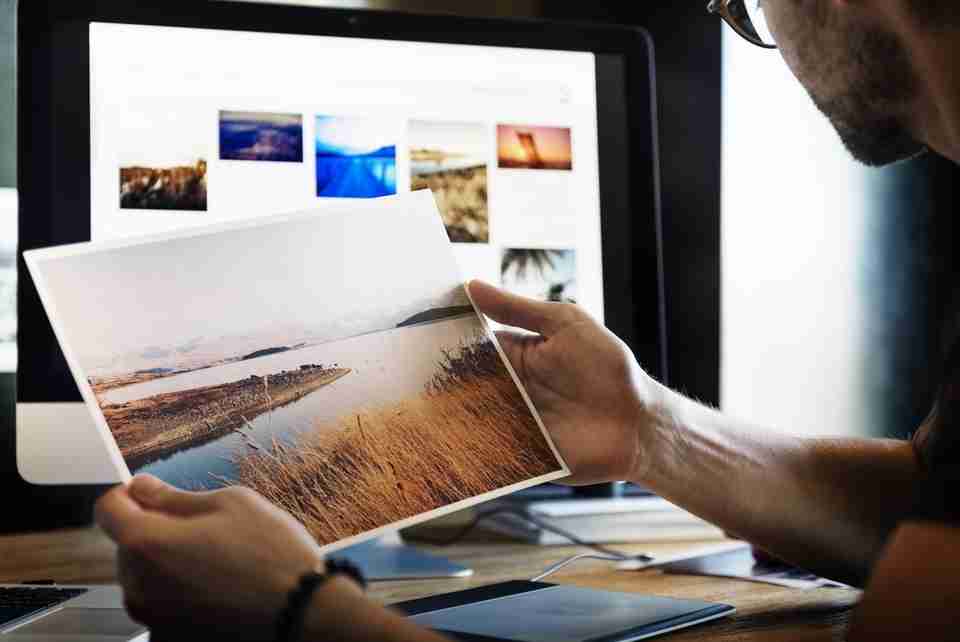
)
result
[(48, 613)]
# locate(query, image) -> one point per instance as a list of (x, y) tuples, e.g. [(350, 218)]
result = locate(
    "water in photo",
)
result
[(356, 157)]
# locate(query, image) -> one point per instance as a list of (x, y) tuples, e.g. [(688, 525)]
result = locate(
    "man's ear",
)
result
[(914, 591)]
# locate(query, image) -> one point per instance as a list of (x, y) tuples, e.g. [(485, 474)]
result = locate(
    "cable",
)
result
[(570, 560), (606, 553)]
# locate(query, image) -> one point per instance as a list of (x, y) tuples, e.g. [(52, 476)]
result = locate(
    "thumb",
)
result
[(153, 494), (520, 312)]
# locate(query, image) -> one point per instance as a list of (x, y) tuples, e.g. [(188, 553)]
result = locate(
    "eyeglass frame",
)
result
[(722, 9)]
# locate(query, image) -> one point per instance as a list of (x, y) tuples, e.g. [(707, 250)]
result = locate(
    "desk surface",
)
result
[(764, 612)]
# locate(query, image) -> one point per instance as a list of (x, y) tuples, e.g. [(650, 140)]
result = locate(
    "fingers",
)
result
[(117, 512), (153, 494), (520, 312)]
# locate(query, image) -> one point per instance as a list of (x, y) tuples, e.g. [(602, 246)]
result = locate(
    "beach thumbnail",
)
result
[(450, 159), (356, 157), (534, 147), (261, 136), (545, 274)]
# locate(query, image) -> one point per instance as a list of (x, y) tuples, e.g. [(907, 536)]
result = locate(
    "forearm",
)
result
[(826, 505), (340, 611)]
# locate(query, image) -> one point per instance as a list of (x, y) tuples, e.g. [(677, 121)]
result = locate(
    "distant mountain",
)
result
[(435, 314), (155, 371), (264, 352)]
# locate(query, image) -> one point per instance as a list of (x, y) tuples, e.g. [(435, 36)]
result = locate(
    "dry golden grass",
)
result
[(469, 434)]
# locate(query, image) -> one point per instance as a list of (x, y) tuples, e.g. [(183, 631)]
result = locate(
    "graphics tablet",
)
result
[(522, 611)]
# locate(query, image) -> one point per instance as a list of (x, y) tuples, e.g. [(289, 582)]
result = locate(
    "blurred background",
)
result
[(804, 292)]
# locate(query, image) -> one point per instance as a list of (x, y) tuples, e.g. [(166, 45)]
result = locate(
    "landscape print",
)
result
[(534, 147), (545, 274), (450, 159), (162, 158), (351, 396), (356, 157), (261, 136)]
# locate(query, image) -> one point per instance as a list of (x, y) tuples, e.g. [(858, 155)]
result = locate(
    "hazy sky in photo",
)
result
[(470, 139), (355, 135), (164, 133), (261, 118), (352, 268)]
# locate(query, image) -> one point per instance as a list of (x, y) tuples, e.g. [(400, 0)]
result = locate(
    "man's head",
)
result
[(858, 61)]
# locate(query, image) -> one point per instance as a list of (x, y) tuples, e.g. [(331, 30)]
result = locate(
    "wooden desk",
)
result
[(764, 612)]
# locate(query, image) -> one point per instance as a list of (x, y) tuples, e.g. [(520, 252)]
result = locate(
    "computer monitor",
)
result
[(538, 140)]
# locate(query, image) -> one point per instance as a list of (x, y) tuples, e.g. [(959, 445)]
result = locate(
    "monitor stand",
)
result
[(388, 558), (594, 514)]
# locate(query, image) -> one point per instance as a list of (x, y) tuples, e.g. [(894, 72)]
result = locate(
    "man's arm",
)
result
[(827, 505)]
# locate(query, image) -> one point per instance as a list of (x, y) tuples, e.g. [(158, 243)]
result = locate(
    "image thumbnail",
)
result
[(533, 147), (548, 275), (181, 187), (352, 412), (450, 159), (162, 158), (261, 136), (356, 157)]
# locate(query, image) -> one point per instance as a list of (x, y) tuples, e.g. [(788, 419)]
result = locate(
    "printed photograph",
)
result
[(548, 275), (534, 147), (261, 136), (163, 158), (350, 395), (356, 157), (450, 159)]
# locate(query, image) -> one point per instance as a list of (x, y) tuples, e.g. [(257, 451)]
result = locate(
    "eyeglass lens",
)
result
[(751, 18)]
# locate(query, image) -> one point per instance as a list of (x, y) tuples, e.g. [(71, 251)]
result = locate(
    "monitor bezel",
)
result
[(53, 155)]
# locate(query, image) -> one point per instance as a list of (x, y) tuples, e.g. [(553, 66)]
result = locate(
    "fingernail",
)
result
[(144, 486)]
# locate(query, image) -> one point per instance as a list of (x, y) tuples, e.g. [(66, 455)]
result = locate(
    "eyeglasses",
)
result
[(747, 19)]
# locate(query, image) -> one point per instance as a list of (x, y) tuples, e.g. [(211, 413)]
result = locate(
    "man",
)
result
[(870, 512)]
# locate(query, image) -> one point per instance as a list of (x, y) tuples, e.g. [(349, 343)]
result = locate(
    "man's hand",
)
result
[(592, 395), (222, 560), (220, 565)]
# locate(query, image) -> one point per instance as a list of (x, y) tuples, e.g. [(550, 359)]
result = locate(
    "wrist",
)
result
[(656, 425), (311, 592), (333, 610)]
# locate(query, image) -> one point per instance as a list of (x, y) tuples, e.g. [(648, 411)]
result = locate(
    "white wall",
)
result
[(793, 208)]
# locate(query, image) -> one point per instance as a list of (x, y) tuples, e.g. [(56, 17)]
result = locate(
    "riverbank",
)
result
[(160, 425), (469, 432)]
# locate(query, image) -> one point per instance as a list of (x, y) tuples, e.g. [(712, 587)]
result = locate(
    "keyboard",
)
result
[(18, 602)]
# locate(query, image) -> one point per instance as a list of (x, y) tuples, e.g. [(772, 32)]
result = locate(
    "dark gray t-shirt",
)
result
[(938, 442)]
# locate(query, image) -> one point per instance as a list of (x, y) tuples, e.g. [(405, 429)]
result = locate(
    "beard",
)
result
[(869, 113)]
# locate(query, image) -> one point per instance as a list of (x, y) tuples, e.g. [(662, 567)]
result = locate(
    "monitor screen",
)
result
[(537, 139), (196, 126)]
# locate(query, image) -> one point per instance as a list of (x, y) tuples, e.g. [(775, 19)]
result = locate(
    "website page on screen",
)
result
[(194, 126)]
